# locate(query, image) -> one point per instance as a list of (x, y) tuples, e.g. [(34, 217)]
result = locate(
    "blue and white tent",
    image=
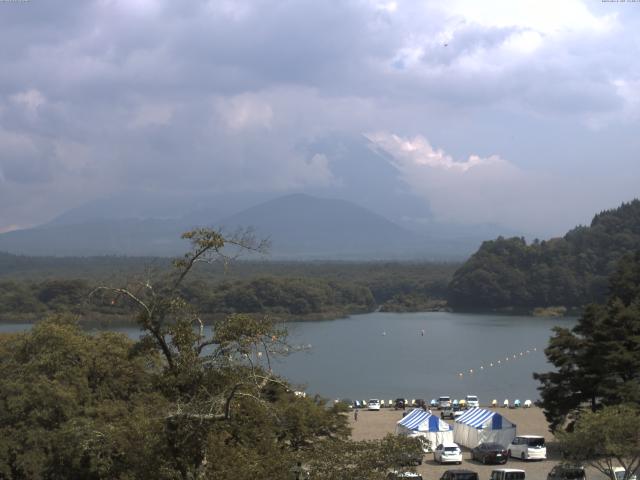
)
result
[(477, 426), (419, 423)]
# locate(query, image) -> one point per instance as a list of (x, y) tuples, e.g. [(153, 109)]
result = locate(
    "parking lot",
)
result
[(529, 421)]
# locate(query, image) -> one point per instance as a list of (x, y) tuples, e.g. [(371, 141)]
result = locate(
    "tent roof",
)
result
[(479, 418), (418, 417)]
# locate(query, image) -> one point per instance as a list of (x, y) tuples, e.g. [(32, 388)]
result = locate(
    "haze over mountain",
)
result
[(366, 211), (299, 226)]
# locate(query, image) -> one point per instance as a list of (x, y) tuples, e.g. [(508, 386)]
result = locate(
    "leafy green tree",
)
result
[(598, 361), (605, 439)]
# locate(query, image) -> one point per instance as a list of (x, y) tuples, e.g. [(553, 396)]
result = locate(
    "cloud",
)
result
[(229, 95), (474, 190)]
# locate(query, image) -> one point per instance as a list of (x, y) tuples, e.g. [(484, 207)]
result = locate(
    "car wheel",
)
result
[(522, 456), (504, 463)]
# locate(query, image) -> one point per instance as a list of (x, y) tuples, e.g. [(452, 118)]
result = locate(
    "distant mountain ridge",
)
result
[(570, 271), (300, 227)]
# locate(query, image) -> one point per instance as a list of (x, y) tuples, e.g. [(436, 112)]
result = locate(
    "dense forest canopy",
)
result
[(570, 271), (176, 404), (31, 287), (597, 361)]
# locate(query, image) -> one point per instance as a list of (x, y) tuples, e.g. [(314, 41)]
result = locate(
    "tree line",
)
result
[(571, 271), (349, 289)]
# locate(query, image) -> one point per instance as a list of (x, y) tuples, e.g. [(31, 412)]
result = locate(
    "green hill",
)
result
[(570, 271)]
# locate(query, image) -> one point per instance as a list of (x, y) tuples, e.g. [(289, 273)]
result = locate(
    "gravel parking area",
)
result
[(529, 421)]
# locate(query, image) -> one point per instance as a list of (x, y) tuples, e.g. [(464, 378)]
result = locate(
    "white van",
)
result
[(507, 474), (444, 402), (472, 401), (528, 447), (374, 404)]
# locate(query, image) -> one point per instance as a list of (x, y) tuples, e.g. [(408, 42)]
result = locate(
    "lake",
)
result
[(415, 355)]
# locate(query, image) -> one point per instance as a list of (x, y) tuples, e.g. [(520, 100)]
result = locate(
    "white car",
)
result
[(528, 447), (447, 453), (444, 402), (619, 472), (373, 404), (472, 401)]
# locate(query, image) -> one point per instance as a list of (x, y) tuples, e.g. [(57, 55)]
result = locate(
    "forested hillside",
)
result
[(569, 271), (31, 287)]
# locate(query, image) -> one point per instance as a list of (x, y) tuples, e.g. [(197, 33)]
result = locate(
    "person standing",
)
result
[(355, 415)]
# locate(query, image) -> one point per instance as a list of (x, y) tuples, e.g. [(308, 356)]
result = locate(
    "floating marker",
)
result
[(491, 364), (481, 367), (471, 370), (460, 374)]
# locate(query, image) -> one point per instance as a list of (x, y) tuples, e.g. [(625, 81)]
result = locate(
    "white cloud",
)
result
[(151, 115), (245, 111), (30, 99), (544, 16)]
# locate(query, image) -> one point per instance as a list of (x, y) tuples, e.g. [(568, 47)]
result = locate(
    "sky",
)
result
[(524, 113)]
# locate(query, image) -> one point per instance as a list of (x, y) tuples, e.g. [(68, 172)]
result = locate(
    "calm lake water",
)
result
[(386, 355)]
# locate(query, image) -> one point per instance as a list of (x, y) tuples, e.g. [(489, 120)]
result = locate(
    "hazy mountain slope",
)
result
[(302, 225), (570, 271), (106, 237)]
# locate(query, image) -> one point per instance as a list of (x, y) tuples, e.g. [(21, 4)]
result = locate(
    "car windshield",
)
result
[(619, 474), (493, 446), (472, 399), (466, 476), (575, 474), (535, 442), (373, 400), (450, 449), (445, 399), (514, 476)]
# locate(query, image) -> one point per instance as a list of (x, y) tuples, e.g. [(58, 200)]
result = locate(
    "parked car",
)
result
[(528, 447), (447, 413), (459, 475), (565, 471), (400, 475), (451, 412), (433, 403), (447, 453), (444, 402), (507, 474), (489, 453), (399, 404), (619, 472), (472, 401), (373, 404), (421, 403)]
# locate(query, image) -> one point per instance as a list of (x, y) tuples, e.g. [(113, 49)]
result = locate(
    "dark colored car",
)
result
[(489, 453), (459, 474), (412, 455), (567, 472), (399, 403), (420, 403)]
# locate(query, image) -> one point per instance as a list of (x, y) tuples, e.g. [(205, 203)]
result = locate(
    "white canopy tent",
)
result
[(477, 426), (419, 423)]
